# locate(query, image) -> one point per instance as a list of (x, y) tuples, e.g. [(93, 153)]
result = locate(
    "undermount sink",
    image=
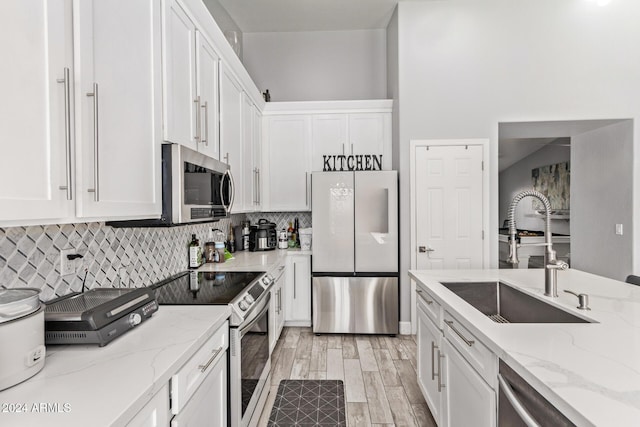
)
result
[(504, 304)]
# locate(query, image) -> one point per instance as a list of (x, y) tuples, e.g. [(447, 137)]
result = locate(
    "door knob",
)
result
[(423, 249)]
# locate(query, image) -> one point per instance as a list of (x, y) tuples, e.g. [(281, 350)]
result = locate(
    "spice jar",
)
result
[(219, 247)]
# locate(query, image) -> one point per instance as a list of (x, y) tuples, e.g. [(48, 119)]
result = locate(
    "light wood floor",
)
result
[(379, 374)]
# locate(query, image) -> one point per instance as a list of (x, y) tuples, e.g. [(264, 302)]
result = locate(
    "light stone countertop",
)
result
[(105, 386), (253, 261), (591, 371)]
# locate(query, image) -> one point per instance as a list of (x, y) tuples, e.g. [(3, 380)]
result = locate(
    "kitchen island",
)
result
[(589, 371), (82, 385)]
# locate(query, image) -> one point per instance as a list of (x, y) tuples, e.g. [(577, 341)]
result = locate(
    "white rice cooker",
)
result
[(22, 352)]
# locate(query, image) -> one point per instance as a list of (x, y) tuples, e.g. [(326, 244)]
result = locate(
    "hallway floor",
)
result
[(379, 374)]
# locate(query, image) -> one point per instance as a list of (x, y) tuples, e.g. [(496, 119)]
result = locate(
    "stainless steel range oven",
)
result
[(247, 294), (250, 364)]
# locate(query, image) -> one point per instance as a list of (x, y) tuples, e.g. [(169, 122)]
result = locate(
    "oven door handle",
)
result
[(257, 317)]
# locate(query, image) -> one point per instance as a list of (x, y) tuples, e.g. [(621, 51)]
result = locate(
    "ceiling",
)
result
[(309, 15)]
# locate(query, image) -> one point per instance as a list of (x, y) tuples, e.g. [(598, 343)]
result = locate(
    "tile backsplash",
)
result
[(111, 257), (281, 219)]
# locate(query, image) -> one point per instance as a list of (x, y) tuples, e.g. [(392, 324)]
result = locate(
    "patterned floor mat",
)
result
[(309, 403)]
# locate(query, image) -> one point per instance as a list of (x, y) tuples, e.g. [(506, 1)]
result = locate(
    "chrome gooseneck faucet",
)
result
[(551, 263)]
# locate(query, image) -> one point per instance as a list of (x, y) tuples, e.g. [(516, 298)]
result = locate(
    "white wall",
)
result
[(601, 197), (393, 89), (318, 65), (225, 22), (466, 65), (517, 177)]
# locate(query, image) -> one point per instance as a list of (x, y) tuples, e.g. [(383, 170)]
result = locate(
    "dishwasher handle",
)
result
[(515, 403)]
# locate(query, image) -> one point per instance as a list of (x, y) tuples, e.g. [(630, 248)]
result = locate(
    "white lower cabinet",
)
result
[(276, 310), (429, 340), (456, 372), (199, 388), (156, 413), (298, 290), (467, 399), (208, 406)]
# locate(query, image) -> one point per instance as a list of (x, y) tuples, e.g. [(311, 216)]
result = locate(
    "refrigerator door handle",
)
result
[(387, 209)]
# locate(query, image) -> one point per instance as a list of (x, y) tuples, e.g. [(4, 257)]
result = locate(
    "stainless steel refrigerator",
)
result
[(355, 252)]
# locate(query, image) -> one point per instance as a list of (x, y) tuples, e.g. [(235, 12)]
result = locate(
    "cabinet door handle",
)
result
[(440, 385), (205, 107), (96, 145), (258, 188), (458, 333), (294, 280), (198, 136), (433, 360), (429, 302), (67, 131), (210, 361)]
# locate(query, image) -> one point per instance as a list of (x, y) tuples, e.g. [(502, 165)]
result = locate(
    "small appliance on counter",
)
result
[(22, 353), (97, 316), (263, 236)]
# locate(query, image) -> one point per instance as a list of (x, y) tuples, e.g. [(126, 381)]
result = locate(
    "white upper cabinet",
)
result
[(179, 38), (231, 131), (351, 134), (82, 109), (370, 133), (36, 164), (118, 108), (329, 137), (207, 70), (257, 157), (191, 67), (250, 155), (298, 135), (287, 153)]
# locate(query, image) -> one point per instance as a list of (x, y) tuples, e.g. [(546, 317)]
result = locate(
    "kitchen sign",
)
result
[(353, 162)]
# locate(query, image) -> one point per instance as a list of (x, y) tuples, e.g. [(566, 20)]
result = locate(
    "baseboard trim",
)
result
[(297, 323), (405, 328)]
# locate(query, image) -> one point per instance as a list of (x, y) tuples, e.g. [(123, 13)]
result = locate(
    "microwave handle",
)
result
[(233, 190), (226, 208)]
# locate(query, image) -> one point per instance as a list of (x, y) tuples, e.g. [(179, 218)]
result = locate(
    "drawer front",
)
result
[(433, 309), (190, 376), (474, 352)]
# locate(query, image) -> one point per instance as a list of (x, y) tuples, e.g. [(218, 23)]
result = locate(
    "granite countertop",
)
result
[(253, 261), (590, 371), (102, 386)]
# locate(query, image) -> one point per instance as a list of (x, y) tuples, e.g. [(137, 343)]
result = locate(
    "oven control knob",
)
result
[(134, 319), (248, 298), (243, 305)]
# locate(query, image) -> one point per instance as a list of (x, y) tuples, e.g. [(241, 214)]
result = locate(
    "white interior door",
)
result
[(448, 203)]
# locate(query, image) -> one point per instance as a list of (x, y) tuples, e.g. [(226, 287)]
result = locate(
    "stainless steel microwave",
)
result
[(195, 188)]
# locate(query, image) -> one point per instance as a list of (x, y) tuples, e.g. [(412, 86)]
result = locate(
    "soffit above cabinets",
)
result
[(309, 15)]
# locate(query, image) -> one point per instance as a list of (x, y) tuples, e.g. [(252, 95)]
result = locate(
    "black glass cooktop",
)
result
[(192, 287)]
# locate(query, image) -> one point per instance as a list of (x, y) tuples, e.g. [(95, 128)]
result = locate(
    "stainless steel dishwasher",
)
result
[(520, 405)]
